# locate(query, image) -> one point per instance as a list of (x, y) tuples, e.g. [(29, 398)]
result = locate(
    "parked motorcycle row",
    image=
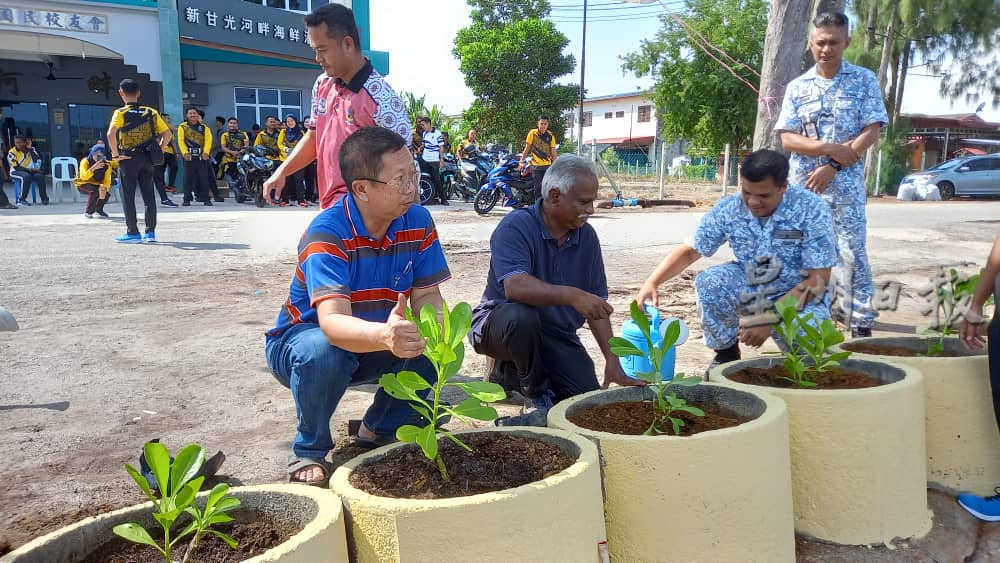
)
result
[(484, 178)]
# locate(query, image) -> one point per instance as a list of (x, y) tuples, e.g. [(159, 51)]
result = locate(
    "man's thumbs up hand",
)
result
[(401, 336)]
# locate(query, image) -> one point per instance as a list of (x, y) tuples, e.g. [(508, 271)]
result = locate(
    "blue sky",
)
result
[(419, 40)]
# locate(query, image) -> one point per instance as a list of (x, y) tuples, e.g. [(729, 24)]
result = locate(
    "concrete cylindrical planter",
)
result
[(963, 442), (554, 520), (720, 496), (858, 462), (321, 540)]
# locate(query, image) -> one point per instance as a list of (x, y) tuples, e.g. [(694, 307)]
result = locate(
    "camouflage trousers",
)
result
[(853, 274), (719, 291)]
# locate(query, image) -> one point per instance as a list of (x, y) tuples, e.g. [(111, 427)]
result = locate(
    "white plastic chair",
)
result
[(64, 170)]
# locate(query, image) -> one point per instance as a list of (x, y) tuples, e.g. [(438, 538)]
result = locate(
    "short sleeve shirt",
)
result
[(835, 110), (799, 233), (133, 123), (339, 109), (521, 244), (337, 259), (432, 146), (541, 145)]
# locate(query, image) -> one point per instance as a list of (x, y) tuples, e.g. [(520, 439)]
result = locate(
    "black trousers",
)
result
[(197, 174), (295, 187), (432, 169), (26, 179), (137, 172), (532, 358), (537, 173), (170, 164), (310, 178), (158, 183)]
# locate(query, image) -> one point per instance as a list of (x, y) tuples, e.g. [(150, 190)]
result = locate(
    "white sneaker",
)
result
[(88, 215)]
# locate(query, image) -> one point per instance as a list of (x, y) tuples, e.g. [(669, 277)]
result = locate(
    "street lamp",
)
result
[(583, 67)]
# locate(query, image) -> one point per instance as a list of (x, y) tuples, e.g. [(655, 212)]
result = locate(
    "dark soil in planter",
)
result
[(632, 418), (255, 533), (899, 351), (498, 461), (833, 378)]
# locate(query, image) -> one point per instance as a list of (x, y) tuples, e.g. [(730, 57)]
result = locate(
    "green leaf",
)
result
[(395, 389), (215, 496), (690, 409), (680, 379), (141, 481), (412, 380), (483, 391), (228, 504), (461, 322), (167, 518), (671, 335), (158, 459), (187, 462), (229, 541), (445, 324), (220, 518), (427, 440), (812, 335), (452, 367), (677, 424), (472, 408), (805, 383), (838, 357), (408, 433), (639, 318), (188, 530), (421, 410), (185, 496), (445, 354), (623, 348), (429, 327), (136, 534)]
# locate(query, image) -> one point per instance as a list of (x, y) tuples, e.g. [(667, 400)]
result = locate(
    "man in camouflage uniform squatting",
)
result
[(784, 245), (829, 118)]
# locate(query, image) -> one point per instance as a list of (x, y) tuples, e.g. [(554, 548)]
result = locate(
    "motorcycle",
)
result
[(505, 179), (472, 173), (425, 190), (254, 168)]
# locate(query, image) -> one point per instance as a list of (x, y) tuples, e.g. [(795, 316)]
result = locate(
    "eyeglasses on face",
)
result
[(401, 183)]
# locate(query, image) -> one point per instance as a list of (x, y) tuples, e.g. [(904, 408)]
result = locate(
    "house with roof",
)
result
[(937, 138)]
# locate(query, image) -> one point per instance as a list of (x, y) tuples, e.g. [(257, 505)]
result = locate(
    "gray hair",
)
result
[(564, 173)]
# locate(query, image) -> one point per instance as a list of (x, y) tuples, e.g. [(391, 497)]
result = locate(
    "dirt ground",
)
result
[(119, 344)]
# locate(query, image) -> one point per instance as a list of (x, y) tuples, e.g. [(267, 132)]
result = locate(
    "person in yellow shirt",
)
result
[(134, 132), (233, 143), (26, 165), (194, 139), (170, 158), (541, 143), (268, 137), (290, 136), (94, 181)]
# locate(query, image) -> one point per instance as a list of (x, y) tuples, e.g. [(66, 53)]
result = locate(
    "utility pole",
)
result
[(583, 68), (787, 26)]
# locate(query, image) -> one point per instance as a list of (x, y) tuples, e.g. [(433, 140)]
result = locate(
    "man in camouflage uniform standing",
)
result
[(829, 118)]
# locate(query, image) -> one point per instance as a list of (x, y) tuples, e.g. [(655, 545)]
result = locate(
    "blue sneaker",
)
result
[(538, 417), (168, 203), (129, 239), (149, 237), (984, 508)]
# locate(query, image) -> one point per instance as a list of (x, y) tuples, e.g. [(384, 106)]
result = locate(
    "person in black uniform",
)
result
[(133, 133)]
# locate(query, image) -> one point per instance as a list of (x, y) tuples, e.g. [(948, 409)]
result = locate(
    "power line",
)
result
[(558, 19), (619, 8)]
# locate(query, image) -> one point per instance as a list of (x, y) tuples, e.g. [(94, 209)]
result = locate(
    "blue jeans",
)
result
[(318, 373)]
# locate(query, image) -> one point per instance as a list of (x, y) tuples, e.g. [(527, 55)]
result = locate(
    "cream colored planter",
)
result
[(557, 519), (858, 462), (963, 442), (719, 496), (322, 539)]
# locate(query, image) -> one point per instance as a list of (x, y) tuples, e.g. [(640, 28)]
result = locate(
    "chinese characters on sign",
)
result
[(211, 18), (50, 19)]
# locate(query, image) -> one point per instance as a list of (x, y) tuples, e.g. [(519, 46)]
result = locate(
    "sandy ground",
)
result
[(123, 343)]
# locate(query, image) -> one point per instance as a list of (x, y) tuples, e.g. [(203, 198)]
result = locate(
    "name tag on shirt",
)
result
[(787, 234)]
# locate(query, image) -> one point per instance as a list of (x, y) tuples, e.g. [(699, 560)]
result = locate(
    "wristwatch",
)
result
[(835, 165)]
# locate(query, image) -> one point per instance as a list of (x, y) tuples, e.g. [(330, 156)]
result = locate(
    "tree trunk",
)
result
[(883, 67), (787, 26), (904, 65), (872, 22), (890, 97)]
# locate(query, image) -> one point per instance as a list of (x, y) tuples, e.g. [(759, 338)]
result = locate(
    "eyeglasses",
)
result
[(402, 183)]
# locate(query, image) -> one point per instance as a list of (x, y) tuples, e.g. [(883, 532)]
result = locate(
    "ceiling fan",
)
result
[(52, 75)]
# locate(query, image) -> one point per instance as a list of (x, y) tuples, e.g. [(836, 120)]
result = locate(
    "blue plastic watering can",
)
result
[(634, 365)]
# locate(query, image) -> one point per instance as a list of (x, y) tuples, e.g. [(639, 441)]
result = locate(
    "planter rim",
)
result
[(329, 509), (340, 483), (774, 407), (911, 376), (880, 340)]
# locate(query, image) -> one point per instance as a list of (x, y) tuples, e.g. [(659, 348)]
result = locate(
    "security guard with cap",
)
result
[(135, 131)]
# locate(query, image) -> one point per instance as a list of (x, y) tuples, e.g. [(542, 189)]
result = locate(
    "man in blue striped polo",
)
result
[(343, 323)]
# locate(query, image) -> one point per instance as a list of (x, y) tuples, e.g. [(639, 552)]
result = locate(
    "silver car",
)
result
[(974, 175)]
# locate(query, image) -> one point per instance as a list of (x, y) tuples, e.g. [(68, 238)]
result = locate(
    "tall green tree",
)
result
[(696, 97), (511, 58)]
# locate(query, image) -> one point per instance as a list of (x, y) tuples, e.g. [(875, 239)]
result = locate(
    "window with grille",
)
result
[(645, 113), (588, 118), (619, 114), (253, 105)]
